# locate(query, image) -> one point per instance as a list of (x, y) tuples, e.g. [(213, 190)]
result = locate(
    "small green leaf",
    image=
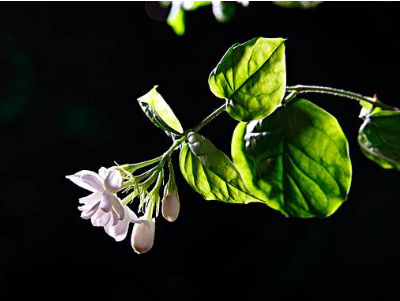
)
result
[(379, 138), (252, 77), (176, 18), (296, 160), (159, 112), (197, 4), (211, 173), (298, 4)]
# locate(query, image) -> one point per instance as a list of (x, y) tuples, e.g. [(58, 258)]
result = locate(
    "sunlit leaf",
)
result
[(379, 138), (159, 112), (176, 18), (252, 77), (296, 160), (211, 173), (197, 4)]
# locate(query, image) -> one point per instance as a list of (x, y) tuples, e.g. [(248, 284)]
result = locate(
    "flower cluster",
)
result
[(105, 209)]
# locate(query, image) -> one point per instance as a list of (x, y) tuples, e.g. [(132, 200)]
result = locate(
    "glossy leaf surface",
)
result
[(252, 78), (211, 173), (379, 138), (296, 160)]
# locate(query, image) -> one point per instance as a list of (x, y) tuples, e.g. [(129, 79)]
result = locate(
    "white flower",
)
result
[(103, 206)]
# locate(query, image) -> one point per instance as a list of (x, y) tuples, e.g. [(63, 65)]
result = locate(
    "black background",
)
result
[(69, 78)]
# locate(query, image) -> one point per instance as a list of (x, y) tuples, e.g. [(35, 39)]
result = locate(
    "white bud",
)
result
[(142, 239), (170, 207)]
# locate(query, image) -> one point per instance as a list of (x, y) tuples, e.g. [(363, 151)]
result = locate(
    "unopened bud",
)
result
[(170, 207), (143, 236)]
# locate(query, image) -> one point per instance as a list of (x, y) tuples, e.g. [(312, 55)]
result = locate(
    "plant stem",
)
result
[(173, 147), (197, 128), (299, 89), (208, 119)]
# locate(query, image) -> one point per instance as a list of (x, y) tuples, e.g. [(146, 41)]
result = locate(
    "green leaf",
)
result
[(252, 77), (298, 4), (379, 138), (296, 160), (159, 112), (211, 173), (176, 18), (197, 4)]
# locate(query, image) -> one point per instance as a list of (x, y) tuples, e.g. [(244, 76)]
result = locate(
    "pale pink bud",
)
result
[(170, 207), (142, 239)]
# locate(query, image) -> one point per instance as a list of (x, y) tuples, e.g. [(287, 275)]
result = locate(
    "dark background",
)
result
[(69, 78)]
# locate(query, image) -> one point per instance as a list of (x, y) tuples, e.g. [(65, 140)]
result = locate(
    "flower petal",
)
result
[(90, 213), (91, 198), (106, 201), (95, 218), (103, 172), (89, 207), (104, 220), (118, 208), (88, 180), (134, 219), (114, 218), (120, 230), (113, 181)]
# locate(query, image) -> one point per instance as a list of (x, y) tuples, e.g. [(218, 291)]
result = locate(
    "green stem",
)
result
[(209, 118), (173, 147), (299, 89)]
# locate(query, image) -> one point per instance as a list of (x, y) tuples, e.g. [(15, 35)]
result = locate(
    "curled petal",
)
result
[(134, 219), (94, 181), (104, 219), (114, 218), (89, 214), (90, 199), (106, 201), (118, 208), (88, 180), (95, 217), (120, 230), (113, 181), (103, 172), (89, 207)]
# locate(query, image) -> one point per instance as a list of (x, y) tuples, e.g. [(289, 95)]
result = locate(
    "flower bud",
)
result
[(170, 207), (142, 239)]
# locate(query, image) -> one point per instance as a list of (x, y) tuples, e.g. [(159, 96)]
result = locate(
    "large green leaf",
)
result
[(296, 160), (211, 173), (379, 138), (252, 77), (159, 112)]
